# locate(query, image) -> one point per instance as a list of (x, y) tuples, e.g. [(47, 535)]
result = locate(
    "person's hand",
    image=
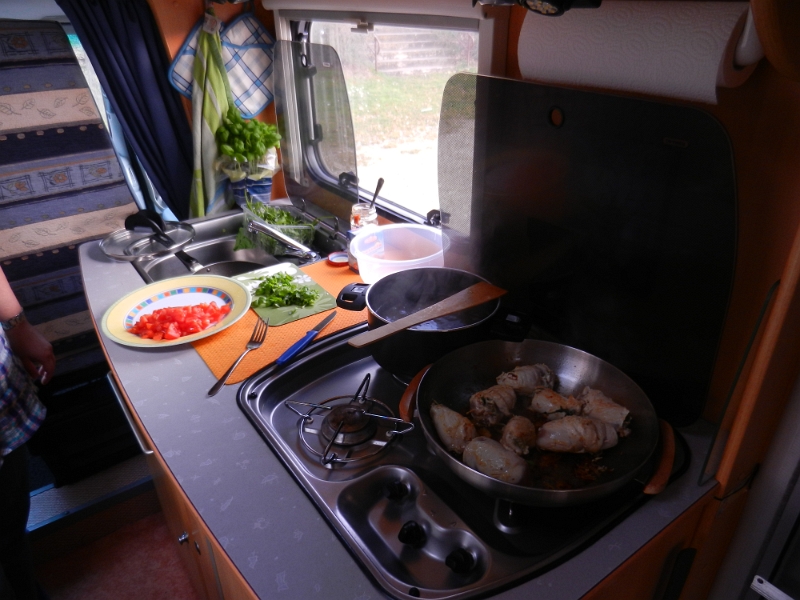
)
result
[(34, 350)]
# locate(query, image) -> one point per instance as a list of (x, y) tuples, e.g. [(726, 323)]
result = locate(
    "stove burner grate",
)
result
[(358, 426)]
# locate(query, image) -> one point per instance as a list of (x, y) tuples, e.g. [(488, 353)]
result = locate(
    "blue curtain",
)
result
[(123, 44)]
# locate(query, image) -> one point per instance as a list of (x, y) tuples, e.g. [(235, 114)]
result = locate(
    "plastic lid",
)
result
[(338, 259)]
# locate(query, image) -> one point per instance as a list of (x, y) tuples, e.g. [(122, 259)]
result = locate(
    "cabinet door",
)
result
[(231, 583), (186, 532), (213, 574), (181, 519), (648, 574)]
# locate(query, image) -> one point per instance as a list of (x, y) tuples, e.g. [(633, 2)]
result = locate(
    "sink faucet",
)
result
[(303, 251)]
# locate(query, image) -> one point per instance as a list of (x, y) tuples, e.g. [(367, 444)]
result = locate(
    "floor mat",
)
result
[(140, 560)]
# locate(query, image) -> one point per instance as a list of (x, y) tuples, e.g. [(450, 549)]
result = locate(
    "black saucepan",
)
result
[(454, 378), (400, 294)]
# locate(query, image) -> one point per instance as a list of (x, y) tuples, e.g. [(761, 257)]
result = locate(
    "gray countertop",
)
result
[(252, 505)]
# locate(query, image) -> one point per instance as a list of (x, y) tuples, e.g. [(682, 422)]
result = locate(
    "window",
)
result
[(395, 77)]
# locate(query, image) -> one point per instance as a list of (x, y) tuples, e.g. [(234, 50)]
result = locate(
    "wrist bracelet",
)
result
[(13, 321)]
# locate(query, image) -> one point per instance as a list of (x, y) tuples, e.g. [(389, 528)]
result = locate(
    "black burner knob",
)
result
[(412, 534), (395, 490), (460, 561)]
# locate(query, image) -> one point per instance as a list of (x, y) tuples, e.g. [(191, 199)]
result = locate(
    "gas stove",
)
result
[(418, 529)]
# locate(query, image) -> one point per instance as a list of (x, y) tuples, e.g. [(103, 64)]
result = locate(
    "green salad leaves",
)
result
[(281, 290), (273, 215), (294, 227)]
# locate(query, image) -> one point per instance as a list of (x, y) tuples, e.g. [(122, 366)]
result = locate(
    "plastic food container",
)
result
[(380, 251)]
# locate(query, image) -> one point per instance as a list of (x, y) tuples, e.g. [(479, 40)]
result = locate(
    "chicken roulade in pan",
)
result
[(578, 429)]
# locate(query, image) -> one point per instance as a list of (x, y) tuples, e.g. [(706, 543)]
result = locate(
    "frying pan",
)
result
[(453, 379)]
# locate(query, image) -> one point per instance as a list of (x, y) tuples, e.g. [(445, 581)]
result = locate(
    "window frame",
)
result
[(294, 25)]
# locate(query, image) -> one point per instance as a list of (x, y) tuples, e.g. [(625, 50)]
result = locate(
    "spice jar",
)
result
[(363, 214)]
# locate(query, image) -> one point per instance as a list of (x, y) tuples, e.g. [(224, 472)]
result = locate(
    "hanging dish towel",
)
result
[(247, 54), (211, 98)]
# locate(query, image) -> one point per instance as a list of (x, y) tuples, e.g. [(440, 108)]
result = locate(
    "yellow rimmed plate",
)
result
[(177, 291)]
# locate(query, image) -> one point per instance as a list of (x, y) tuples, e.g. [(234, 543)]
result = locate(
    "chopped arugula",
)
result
[(243, 241), (295, 228), (281, 290), (273, 215)]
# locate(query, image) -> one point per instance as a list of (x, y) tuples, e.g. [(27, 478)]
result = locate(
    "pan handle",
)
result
[(409, 399), (660, 477)]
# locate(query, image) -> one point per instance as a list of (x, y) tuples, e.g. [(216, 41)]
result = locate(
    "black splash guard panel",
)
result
[(612, 221), (453, 515)]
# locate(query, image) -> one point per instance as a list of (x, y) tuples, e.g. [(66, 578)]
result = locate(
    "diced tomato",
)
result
[(174, 322), (172, 332)]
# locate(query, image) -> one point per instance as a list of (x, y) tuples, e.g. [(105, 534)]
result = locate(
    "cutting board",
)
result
[(286, 314)]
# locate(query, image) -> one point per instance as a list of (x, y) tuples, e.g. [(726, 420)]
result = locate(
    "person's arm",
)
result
[(25, 340)]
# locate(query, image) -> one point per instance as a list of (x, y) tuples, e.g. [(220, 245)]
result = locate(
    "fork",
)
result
[(259, 333)]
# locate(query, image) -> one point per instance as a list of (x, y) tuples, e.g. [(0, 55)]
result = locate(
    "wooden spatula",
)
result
[(474, 295)]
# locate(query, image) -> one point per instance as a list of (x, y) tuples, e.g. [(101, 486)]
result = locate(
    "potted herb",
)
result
[(247, 155)]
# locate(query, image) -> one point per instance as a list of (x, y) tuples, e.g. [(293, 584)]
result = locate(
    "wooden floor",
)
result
[(124, 553)]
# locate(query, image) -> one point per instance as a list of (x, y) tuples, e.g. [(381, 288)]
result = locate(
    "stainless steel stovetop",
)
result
[(417, 528)]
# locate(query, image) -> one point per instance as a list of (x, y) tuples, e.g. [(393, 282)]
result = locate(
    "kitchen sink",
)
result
[(213, 246)]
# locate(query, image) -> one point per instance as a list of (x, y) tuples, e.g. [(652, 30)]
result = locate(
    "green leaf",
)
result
[(281, 290)]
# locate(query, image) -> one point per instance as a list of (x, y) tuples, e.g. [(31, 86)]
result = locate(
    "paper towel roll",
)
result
[(667, 49)]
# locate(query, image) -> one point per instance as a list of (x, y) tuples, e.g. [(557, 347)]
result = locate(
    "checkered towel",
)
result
[(182, 67), (247, 55)]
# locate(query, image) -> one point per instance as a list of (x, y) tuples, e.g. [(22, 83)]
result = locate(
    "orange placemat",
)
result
[(220, 350)]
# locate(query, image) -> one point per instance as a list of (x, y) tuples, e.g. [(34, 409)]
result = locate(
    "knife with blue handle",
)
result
[(304, 341)]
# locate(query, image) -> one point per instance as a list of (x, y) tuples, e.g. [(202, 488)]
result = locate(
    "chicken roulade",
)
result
[(576, 434), (454, 429), (490, 458), (519, 435), (550, 402), (492, 406), (597, 405), (525, 379)]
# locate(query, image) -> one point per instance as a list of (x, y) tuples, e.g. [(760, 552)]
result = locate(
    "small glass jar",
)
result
[(362, 215)]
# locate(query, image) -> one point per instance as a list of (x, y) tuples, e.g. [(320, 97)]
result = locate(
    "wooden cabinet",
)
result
[(658, 570), (212, 573), (186, 530)]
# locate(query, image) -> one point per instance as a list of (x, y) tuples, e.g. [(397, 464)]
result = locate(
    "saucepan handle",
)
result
[(145, 218), (408, 401), (658, 481), (150, 220), (353, 296)]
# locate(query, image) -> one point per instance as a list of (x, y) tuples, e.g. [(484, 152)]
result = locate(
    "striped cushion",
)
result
[(60, 181)]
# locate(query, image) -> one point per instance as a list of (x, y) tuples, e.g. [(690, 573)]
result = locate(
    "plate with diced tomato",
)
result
[(176, 311)]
